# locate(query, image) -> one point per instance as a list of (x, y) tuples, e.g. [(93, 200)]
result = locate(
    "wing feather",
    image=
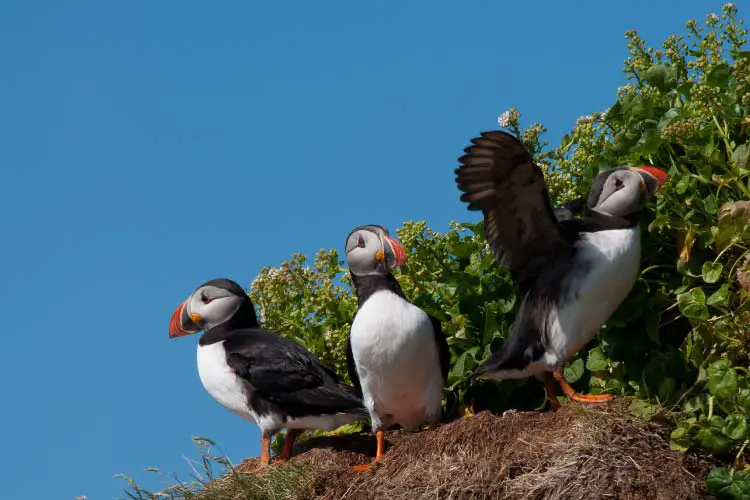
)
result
[(499, 177), (288, 375)]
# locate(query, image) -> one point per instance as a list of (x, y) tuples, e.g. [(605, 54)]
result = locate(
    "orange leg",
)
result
[(380, 435), (549, 385), (286, 453), (470, 409), (581, 398), (265, 450)]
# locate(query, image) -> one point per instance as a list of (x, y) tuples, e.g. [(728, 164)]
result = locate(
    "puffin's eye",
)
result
[(361, 242), (206, 299), (619, 184)]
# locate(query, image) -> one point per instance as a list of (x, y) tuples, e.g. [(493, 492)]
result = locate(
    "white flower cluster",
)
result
[(504, 119), (625, 89)]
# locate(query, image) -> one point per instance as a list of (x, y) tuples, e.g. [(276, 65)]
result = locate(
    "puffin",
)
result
[(397, 355), (573, 273), (257, 374)]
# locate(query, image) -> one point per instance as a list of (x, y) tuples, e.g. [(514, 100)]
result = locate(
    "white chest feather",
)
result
[(393, 345), (220, 381), (610, 260)]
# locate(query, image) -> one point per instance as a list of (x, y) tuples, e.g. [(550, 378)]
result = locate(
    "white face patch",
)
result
[(214, 305), (622, 194), (362, 248)]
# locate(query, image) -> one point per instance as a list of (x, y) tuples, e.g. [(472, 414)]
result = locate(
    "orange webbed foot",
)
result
[(581, 398), (380, 436)]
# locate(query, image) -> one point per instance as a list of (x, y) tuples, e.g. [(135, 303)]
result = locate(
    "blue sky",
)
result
[(146, 147)]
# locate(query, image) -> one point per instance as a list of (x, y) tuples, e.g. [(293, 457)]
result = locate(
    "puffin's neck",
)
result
[(244, 318), (368, 284), (598, 221)]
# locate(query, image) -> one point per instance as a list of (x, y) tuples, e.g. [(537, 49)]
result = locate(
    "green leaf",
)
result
[(490, 326), (726, 485), (642, 409), (662, 77), (679, 440), (720, 297), (722, 379), (719, 76), (459, 367), (682, 185), (574, 371), (596, 361), (693, 304), (713, 440), (712, 271), (649, 142), (709, 204), (667, 118), (463, 250), (743, 399), (613, 386), (736, 427)]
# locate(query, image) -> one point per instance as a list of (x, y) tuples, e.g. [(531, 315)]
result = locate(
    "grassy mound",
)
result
[(577, 452)]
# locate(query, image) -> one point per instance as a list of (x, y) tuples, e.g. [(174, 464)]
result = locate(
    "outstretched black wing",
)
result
[(287, 375), (499, 177)]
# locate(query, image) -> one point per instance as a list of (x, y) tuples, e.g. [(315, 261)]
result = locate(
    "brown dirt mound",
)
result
[(576, 453)]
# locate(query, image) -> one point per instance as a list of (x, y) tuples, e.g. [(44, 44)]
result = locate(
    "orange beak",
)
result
[(660, 175), (180, 324), (398, 252)]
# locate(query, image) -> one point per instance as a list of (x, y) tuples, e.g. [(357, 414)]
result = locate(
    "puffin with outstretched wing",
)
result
[(572, 273)]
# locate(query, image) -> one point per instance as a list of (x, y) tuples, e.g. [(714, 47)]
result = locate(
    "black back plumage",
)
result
[(281, 374), (286, 375)]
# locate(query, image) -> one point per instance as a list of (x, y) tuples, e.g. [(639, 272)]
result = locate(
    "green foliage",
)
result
[(726, 484)]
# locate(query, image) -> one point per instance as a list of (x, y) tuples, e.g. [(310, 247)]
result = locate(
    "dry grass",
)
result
[(576, 453)]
